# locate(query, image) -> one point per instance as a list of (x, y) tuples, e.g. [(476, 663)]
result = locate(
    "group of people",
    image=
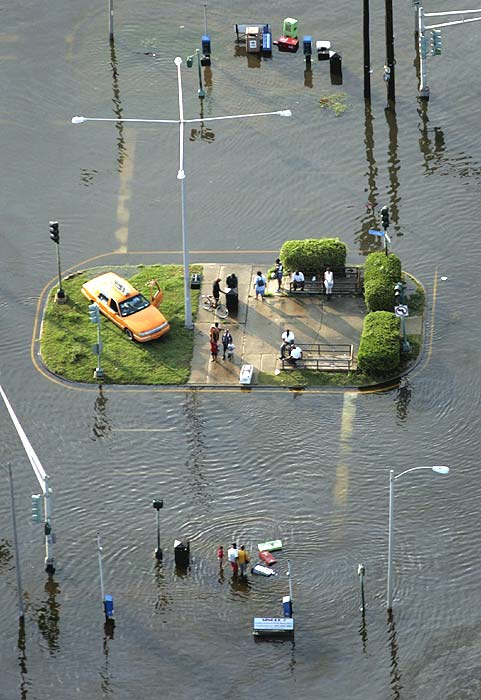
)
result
[(238, 558), (298, 281), (290, 352), (226, 341), (231, 284)]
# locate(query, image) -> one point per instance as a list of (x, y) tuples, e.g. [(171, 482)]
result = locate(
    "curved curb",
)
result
[(377, 387)]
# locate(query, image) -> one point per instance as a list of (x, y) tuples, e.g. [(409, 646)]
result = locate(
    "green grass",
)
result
[(68, 335), (306, 377)]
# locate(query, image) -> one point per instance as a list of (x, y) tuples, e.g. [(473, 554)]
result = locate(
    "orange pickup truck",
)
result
[(139, 318)]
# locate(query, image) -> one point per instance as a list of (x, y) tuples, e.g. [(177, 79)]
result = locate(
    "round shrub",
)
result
[(381, 272), (313, 255), (380, 347)]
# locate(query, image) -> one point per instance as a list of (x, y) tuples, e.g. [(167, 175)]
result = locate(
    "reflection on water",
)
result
[(102, 426), (393, 167), (22, 660), (48, 616), (395, 671), (205, 133), (308, 77), (199, 486), (117, 108), (363, 631), (163, 598), (368, 243), (104, 671), (5, 555), (402, 400)]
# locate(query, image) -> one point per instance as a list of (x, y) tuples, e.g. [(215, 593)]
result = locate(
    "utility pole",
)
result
[(111, 21), (158, 505), (42, 479), (361, 570), (367, 51), (389, 75), (60, 297)]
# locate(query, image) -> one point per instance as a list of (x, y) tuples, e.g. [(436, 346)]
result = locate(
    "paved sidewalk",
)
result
[(257, 327)]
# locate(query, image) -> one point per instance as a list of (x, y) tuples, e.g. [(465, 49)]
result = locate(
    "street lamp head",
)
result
[(157, 504), (440, 469), (285, 113), (178, 61), (78, 120)]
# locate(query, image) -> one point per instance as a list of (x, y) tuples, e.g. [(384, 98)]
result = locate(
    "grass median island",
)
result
[(68, 335)]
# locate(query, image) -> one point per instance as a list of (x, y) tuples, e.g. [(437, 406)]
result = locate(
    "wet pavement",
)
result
[(257, 327)]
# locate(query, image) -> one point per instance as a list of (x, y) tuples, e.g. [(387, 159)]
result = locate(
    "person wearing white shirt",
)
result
[(328, 282), (298, 280), (287, 341), (233, 556), (296, 354)]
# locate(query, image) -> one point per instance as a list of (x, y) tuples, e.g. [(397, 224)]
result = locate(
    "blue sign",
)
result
[(373, 232)]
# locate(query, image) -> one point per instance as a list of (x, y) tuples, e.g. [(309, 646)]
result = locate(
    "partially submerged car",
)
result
[(139, 318)]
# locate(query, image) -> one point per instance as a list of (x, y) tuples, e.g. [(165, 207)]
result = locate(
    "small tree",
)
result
[(313, 255), (381, 273), (379, 348)]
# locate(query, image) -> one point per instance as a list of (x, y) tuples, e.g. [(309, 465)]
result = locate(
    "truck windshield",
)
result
[(134, 304)]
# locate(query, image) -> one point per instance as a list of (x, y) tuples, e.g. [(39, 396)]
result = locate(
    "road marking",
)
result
[(125, 191), (143, 430), (341, 485)]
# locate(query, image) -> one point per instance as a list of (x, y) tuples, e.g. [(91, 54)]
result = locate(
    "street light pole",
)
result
[(158, 505), (438, 469), (21, 611), (181, 172)]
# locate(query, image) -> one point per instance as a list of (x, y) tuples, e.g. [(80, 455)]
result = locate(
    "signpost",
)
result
[(381, 234)]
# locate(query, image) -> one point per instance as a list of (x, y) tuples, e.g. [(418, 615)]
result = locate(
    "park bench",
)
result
[(347, 281), (323, 357)]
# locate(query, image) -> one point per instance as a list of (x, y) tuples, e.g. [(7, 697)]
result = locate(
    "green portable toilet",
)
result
[(289, 27)]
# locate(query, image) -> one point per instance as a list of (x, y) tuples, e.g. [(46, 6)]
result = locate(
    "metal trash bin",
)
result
[(232, 300), (181, 554)]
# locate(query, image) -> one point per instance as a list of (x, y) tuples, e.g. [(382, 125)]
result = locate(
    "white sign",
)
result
[(402, 310), (274, 623)]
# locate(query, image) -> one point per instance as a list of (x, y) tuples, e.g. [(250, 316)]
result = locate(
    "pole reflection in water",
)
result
[(22, 660), (195, 447), (117, 108), (105, 673), (433, 153), (403, 397), (48, 616), (363, 632), (368, 243), (395, 671), (102, 427), (393, 167), (205, 133), (163, 598), (308, 77)]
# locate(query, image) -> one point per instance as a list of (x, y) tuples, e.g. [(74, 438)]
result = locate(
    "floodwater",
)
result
[(309, 468)]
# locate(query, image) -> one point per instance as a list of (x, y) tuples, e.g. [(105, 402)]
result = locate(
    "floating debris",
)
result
[(336, 102)]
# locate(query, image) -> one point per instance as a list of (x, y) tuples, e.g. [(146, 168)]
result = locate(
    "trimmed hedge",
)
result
[(380, 347), (312, 255), (381, 273)]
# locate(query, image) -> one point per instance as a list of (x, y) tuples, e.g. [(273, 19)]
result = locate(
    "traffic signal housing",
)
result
[(37, 508), (54, 232), (436, 42), (385, 217), (94, 313)]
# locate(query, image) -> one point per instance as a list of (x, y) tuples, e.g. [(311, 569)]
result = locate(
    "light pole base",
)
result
[(424, 93), (201, 93), (60, 297), (158, 554), (98, 373), (49, 567), (406, 346)]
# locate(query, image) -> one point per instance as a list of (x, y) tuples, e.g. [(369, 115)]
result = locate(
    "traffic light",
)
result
[(94, 313), (424, 45), (36, 508), (385, 217), (398, 293), (436, 42), (54, 232)]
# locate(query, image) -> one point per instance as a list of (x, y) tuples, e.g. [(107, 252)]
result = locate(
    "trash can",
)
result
[(232, 300), (181, 554), (195, 280)]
